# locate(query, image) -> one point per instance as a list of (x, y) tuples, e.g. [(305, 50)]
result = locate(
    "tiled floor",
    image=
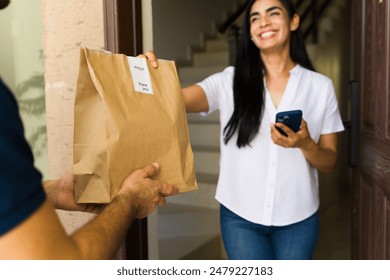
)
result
[(334, 242)]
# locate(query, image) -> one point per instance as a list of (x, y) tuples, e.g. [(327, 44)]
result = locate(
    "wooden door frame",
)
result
[(123, 34), (123, 26)]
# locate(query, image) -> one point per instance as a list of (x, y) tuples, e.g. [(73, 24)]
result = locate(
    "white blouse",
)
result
[(265, 183)]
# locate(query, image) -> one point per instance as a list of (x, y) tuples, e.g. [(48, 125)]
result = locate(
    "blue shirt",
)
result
[(21, 191)]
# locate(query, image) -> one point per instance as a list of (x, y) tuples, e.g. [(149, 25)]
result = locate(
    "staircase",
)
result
[(188, 226), (328, 24), (189, 223)]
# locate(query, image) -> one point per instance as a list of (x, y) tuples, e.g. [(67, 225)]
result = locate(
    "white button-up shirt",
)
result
[(265, 183)]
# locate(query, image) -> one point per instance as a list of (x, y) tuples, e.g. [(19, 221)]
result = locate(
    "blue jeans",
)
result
[(245, 240)]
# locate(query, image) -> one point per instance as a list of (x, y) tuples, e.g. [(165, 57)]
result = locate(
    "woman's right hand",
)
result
[(151, 57), (195, 100)]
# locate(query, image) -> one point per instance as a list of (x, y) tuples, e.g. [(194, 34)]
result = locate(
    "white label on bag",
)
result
[(140, 74)]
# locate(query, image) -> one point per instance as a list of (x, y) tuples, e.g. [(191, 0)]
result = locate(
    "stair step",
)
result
[(219, 44), (204, 134), (185, 217), (203, 197), (207, 180), (192, 75), (207, 149), (183, 247), (212, 250), (211, 58), (333, 12), (198, 118), (206, 161), (182, 229)]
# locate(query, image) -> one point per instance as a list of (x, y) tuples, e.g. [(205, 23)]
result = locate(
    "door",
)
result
[(123, 33), (371, 177)]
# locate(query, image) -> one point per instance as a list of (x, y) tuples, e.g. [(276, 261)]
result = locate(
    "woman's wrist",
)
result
[(310, 146)]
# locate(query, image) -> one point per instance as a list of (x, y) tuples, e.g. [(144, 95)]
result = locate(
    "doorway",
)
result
[(332, 57)]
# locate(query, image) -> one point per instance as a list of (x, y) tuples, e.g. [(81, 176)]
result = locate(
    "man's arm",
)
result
[(42, 236)]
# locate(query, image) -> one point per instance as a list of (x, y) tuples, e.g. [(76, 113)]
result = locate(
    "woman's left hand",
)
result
[(300, 139), (321, 155)]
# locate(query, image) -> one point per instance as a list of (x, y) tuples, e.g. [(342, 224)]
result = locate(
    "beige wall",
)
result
[(66, 25)]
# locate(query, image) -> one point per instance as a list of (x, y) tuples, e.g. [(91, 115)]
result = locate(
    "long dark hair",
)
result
[(248, 83)]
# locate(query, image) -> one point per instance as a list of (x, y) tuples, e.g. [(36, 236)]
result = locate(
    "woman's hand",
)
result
[(194, 97), (321, 155), (300, 139), (151, 57)]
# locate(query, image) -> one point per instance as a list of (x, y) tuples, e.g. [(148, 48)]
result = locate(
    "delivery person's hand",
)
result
[(151, 57), (61, 194), (143, 193)]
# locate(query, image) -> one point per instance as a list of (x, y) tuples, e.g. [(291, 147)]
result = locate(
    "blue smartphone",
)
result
[(290, 118)]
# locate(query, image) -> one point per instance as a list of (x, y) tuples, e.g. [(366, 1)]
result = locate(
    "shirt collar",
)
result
[(289, 95)]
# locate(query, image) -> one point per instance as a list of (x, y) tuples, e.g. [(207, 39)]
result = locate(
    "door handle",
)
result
[(353, 124)]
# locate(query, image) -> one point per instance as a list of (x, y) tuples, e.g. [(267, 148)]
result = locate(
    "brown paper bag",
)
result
[(123, 121)]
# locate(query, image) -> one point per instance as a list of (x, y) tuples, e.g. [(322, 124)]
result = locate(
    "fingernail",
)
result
[(156, 165), (154, 63)]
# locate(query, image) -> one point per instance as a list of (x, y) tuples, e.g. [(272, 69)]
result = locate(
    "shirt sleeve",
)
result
[(332, 122), (213, 85), (21, 191)]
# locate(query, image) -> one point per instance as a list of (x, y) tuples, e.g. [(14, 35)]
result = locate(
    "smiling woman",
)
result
[(268, 182), (270, 27)]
